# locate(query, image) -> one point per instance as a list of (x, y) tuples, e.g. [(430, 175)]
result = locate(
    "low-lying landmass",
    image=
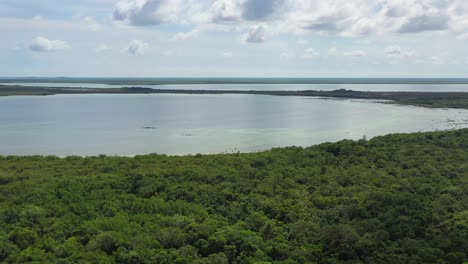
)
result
[(211, 80), (399, 198), (424, 99)]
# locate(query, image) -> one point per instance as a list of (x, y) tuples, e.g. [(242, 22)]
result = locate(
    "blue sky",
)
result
[(234, 38)]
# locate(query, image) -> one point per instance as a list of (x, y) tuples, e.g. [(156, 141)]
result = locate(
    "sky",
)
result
[(234, 38)]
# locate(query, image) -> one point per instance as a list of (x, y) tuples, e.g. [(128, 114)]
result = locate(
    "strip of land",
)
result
[(424, 99), (207, 80)]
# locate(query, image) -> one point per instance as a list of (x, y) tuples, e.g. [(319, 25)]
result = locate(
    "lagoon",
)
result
[(188, 124)]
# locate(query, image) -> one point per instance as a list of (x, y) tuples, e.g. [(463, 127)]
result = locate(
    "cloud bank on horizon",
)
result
[(269, 37)]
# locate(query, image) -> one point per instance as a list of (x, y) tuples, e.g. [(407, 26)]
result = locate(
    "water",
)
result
[(70, 85), (275, 87), (181, 124)]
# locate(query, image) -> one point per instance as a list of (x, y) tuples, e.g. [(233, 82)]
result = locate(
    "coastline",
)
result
[(230, 80), (235, 152), (422, 99)]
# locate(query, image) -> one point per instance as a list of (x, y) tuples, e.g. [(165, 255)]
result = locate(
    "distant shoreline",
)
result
[(177, 81), (423, 99)]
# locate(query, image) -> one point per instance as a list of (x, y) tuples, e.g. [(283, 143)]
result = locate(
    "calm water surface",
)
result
[(182, 124)]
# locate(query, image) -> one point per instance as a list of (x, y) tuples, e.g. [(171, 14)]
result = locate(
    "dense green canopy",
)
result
[(393, 199)]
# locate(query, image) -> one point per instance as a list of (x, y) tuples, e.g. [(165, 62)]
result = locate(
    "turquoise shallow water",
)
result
[(183, 124)]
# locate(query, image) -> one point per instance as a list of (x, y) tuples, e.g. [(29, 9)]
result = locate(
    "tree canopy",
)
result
[(400, 198)]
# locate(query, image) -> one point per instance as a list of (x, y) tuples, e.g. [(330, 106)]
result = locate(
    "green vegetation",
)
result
[(424, 99), (400, 198), (15, 90)]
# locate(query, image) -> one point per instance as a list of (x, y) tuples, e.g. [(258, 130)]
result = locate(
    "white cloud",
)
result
[(396, 51), (331, 17), (348, 18), (185, 35), (151, 12), (92, 24), (249, 10), (227, 55), (333, 51), (102, 48), (285, 55), (355, 53), (41, 44), (257, 33), (363, 17), (309, 54), (226, 10), (458, 13), (436, 60), (136, 47), (416, 16)]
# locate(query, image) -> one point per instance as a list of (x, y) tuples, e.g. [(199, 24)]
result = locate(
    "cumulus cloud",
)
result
[(309, 54), (416, 16), (458, 13), (286, 55), (333, 51), (226, 11), (185, 35), (396, 51), (150, 12), (340, 17), (355, 53), (437, 60), (257, 33), (92, 24), (155, 12), (250, 10), (362, 17), (260, 9), (331, 17), (42, 44), (136, 47)]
